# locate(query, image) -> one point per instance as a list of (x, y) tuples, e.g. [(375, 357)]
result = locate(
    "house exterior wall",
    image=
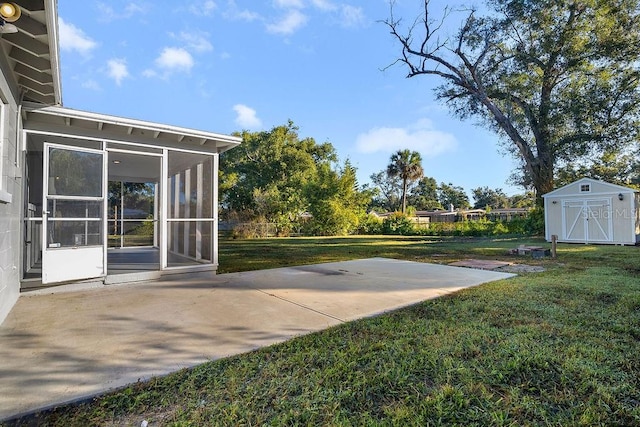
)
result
[(619, 218), (11, 196)]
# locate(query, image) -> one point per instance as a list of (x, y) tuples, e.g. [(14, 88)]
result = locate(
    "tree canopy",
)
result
[(424, 195), (557, 80), (275, 177), (485, 197), (335, 201), (453, 195)]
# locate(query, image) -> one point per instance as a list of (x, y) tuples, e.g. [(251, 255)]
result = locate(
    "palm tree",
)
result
[(408, 166)]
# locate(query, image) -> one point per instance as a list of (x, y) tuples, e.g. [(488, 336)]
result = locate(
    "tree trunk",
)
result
[(404, 195), (542, 176)]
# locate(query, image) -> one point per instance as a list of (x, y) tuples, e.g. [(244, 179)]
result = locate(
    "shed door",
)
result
[(587, 220), (573, 221), (73, 225)]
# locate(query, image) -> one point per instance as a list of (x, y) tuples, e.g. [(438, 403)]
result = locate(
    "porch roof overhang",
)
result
[(32, 53), (54, 119)]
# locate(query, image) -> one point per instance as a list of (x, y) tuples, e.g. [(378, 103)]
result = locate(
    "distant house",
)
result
[(55, 166), (507, 214), (441, 215), (592, 211), (451, 215)]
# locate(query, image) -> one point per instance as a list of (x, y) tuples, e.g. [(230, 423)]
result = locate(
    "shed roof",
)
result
[(613, 187)]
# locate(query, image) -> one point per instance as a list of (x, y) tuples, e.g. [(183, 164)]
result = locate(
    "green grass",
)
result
[(560, 347), (259, 254)]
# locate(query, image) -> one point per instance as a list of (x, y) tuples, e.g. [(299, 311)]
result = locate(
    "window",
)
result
[(585, 188)]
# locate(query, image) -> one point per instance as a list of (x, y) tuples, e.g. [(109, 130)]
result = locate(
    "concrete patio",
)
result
[(60, 345)]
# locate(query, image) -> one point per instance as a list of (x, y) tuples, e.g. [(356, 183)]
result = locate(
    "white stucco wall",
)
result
[(11, 196)]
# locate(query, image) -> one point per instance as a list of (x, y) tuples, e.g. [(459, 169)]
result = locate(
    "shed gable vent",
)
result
[(585, 188)]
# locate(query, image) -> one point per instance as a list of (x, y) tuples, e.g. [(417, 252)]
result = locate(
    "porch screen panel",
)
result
[(190, 209), (131, 214), (75, 173), (74, 198)]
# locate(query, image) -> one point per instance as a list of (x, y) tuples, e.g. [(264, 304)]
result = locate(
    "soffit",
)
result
[(32, 52)]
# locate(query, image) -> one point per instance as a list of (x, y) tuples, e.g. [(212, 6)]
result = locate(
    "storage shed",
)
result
[(592, 211)]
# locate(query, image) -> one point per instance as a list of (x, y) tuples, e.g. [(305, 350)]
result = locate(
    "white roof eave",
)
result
[(51, 10), (72, 114)]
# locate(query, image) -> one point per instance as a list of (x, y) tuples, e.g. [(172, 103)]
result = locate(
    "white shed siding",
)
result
[(590, 211), (636, 215)]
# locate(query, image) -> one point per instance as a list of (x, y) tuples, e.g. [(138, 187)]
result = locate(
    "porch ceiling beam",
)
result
[(100, 125), (26, 43), (30, 26), (34, 62), (33, 75), (67, 121), (203, 141), (32, 5), (156, 134), (129, 130), (180, 138)]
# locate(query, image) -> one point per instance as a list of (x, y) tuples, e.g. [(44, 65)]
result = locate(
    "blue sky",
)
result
[(227, 65)]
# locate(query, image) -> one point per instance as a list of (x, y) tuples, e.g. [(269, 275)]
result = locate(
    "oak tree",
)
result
[(557, 80)]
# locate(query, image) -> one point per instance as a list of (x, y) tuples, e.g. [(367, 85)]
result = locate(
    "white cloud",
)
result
[(117, 70), (108, 13), (91, 84), (247, 15), (195, 41), (288, 4), (205, 8), (351, 16), (234, 13), (73, 38), (419, 137), (175, 59), (324, 5), (133, 8), (246, 117), (289, 24)]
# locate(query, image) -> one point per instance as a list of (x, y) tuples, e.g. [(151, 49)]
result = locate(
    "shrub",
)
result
[(371, 224), (399, 224), (253, 230), (534, 223)]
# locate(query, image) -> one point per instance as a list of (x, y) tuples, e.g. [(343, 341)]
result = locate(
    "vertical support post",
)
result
[(155, 214), (176, 213), (105, 209), (164, 209), (554, 245), (187, 211), (121, 214), (199, 196), (214, 210)]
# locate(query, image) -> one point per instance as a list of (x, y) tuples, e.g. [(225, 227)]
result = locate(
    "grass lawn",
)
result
[(560, 347)]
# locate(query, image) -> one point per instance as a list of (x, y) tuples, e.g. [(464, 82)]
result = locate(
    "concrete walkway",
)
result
[(57, 347)]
